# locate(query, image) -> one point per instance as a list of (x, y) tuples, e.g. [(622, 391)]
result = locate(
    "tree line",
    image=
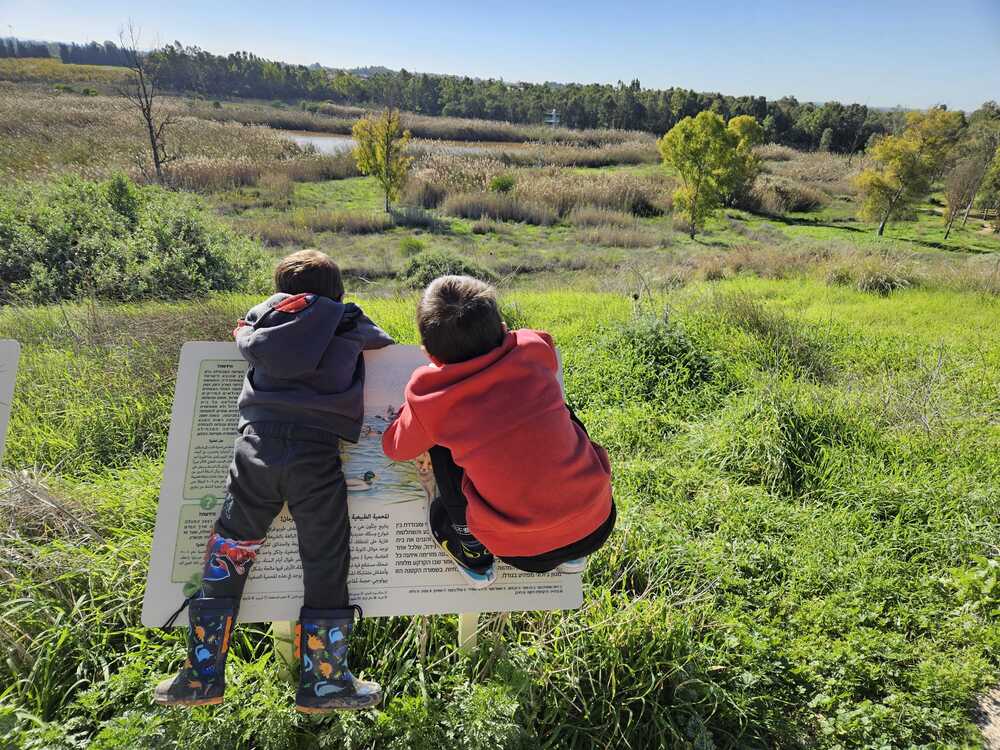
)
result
[(831, 126), (626, 106)]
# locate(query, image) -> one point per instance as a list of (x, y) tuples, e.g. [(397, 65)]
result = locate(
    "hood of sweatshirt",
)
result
[(288, 335), (305, 362)]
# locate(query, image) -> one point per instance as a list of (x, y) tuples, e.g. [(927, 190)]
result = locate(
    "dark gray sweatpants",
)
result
[(273, 463)]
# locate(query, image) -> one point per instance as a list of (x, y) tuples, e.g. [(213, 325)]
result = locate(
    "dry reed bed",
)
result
[(44, 134)]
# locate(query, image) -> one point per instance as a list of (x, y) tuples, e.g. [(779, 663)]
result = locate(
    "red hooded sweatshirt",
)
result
[(534, 480)]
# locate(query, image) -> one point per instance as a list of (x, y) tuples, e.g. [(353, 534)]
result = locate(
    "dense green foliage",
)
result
[(114, 240), (427, 265), (807, 516), (716, 162)]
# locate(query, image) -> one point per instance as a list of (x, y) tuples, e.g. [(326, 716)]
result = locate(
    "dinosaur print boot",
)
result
[(202, 681), (326, 682)]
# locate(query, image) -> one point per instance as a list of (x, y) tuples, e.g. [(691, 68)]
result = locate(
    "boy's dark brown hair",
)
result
[(459, 319), (309, 272)]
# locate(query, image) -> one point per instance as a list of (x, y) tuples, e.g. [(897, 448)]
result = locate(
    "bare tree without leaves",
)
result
[(141, 94)]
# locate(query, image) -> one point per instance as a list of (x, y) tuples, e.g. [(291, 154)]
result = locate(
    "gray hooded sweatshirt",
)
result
[(305, 361)]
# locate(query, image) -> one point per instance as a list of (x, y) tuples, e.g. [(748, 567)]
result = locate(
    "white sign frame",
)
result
[(379, 520), (10, 356)]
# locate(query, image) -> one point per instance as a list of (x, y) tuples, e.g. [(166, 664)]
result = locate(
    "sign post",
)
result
[(468, 632), (283, 635), (10, 354)]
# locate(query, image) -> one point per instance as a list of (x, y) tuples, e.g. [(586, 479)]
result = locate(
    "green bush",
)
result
[(427, 266), (502, 183), (113, 240), (410, 246)]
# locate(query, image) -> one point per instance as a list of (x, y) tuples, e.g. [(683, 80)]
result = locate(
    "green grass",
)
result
[(807, 480)]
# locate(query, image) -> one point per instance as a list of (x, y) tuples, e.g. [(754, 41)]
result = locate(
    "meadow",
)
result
[(803, 420)]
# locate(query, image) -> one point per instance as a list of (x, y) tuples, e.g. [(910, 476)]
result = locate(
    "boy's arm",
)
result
[(372, 337), (358, 326), (405, 439)]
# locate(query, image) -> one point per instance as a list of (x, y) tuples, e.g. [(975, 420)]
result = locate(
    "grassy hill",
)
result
[(807, 478)]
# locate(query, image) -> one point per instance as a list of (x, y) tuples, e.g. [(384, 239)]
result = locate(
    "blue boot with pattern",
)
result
[(326, 683), (202, 680)]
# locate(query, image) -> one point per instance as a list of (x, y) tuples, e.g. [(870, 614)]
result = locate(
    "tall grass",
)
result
[(761, 588), (498, 206)]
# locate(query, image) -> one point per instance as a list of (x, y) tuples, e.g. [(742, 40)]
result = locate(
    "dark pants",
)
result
[(448, 476), (273, 463)]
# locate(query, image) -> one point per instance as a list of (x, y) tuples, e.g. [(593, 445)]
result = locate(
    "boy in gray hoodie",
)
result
[(303, 393)]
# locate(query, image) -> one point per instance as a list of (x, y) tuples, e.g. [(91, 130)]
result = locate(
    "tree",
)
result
[(381, 143), (743, 133), (907, 164), (989, 192), (141, 94), (700, 149), (826, 140), (960, 188)]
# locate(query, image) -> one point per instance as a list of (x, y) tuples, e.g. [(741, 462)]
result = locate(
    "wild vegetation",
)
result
[(802, 415)]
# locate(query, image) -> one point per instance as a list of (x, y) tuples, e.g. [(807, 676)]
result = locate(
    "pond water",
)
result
[(329, 143)]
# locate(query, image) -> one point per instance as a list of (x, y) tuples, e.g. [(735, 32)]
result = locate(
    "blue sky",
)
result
[(881, 52)]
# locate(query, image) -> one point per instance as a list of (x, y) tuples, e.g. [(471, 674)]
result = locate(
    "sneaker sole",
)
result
[(471, 582), (191, 702)]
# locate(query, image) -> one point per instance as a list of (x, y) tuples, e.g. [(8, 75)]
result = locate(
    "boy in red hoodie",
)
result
[(518, 478)]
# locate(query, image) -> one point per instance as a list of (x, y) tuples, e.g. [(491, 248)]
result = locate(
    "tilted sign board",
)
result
[(395, 567), (10, 353)]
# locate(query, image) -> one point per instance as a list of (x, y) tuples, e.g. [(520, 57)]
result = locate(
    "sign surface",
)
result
[(10, 353), (396, 569)]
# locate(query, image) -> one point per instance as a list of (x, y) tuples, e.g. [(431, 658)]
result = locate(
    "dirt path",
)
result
[(989, 719)]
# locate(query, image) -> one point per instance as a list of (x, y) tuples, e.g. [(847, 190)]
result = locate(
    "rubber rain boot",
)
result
[(325, 682), (202, 680)]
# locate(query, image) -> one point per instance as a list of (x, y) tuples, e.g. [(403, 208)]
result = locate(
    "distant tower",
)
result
[(552, 118)]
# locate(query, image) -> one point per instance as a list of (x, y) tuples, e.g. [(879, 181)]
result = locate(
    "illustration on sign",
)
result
[(10, 353), (395, 567)]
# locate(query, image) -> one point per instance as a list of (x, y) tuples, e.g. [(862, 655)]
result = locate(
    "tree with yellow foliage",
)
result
[(380, 151), (906, 165)]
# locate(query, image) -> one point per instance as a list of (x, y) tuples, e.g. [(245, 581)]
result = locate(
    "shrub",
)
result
[(422, 269), (498, 206), (116, 241), (348, 222), (423, 193), (881, 275), (502, 183), (780, 341), (485, 226), (776, 196), (647, 360), (417, 218), (409, 246)]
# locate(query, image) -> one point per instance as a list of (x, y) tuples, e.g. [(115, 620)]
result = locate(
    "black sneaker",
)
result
[(472, 560)]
